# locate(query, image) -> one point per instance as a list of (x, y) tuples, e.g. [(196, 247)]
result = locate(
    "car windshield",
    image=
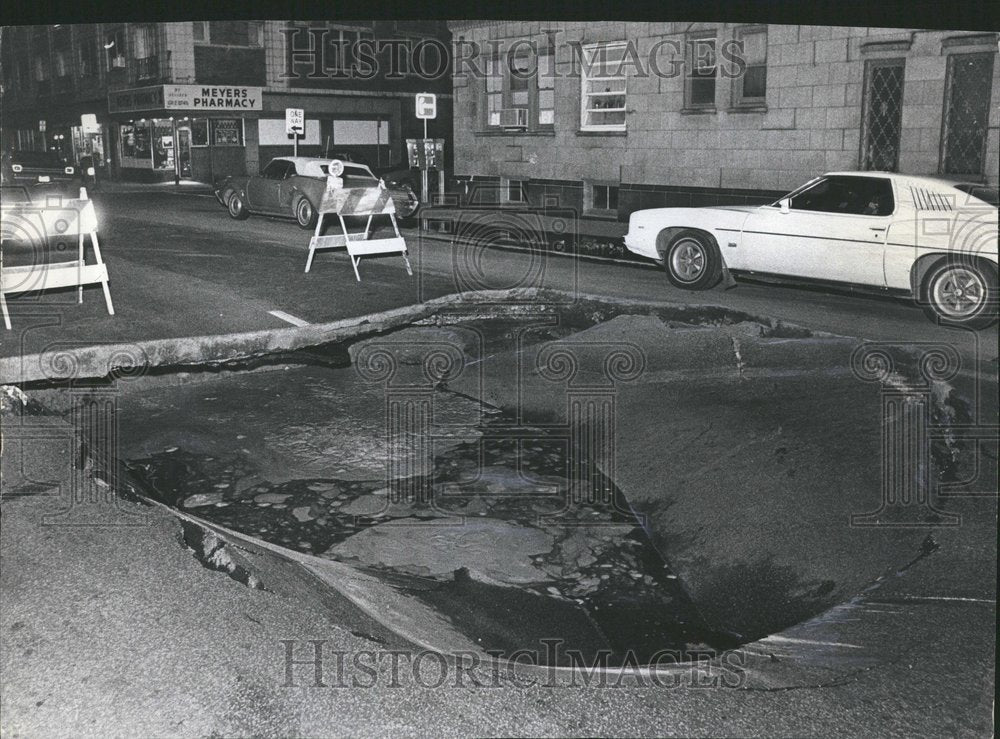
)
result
[(43, 159), (989, 195), (796, 191)]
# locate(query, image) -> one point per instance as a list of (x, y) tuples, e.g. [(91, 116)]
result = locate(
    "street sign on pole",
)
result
[(426, 105), (41, 126), (295, 125)]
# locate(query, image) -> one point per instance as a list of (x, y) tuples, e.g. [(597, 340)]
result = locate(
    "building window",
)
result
[(603, 88), (603, 197), (882, 115), (228, 33), (88, 57), (494, 98), (199, 132), (513, 192), (227, 132), (751, 87), (702, 70), (967, 112), (62, 67), (41, 69), (114, 49), (518, 94)]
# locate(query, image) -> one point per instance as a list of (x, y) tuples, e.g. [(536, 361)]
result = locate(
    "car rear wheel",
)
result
[(961, 294), (692, 261), (305, 214), (236, 207)]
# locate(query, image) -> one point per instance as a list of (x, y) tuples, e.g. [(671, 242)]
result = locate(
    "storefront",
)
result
[(195, 132)]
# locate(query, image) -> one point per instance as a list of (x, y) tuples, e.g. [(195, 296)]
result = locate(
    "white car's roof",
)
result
[(909, 179), (313, 166)]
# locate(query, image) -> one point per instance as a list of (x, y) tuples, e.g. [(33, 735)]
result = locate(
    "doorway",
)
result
[(183, 159)]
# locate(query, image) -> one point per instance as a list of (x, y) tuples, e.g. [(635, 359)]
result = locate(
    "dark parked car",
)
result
[(294, 186), (35, 168)]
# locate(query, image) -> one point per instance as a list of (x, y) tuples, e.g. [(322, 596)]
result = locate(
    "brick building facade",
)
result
[(149, 100), (606, 138)]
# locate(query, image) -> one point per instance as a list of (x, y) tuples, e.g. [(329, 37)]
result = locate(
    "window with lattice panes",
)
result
[(881, 123), (603, 87), (966, 115)]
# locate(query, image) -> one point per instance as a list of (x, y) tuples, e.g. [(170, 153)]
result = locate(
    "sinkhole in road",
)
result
[(624, 483)]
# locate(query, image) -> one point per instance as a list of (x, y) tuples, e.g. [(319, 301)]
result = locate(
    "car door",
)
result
[(262, 191), (288, 188), (831, 229)]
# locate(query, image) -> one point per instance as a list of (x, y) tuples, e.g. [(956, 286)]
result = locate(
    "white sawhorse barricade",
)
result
[(35, 226), (357, 201)]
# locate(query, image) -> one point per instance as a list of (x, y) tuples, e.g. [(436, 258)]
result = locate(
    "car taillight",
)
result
[(68, 170), (17, 167)]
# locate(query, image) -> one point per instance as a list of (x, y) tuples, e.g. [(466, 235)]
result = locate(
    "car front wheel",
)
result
[(237, 208), (692, 261), (961, 294), (305, 214)]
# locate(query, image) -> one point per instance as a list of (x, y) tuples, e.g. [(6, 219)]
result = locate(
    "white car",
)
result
[(932, 239)]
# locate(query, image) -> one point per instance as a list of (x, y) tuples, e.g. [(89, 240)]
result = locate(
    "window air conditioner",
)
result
[(514, 118)]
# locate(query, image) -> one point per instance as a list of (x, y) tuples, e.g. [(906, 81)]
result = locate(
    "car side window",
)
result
[(276, 169), (862, 196)]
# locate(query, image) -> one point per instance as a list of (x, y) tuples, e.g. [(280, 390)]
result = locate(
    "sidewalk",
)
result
[(186, 187)]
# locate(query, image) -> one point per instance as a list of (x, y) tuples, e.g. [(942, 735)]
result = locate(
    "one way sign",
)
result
[(295, 121)]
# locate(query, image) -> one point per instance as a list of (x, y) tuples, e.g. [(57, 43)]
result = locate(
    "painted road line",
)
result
[(918, 599), (288, 318), (791, 640)]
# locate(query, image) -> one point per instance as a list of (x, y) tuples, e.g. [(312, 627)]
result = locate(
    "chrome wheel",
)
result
[(687, 259), (304, 213), (236, 207), (959, 292)]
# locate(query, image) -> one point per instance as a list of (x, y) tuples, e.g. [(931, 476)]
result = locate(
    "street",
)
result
[(180, 267), (496, 377)]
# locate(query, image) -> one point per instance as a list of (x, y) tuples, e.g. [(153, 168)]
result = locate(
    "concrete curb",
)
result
[(127, 358)]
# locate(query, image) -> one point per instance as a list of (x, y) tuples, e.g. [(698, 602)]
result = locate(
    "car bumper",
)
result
[(642, 245)]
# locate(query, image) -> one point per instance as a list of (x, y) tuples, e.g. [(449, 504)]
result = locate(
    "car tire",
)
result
[(236, 207), (961, 293), (305, 213), (692, 261)]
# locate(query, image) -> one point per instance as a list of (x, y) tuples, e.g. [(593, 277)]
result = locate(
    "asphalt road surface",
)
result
[(180, 266)]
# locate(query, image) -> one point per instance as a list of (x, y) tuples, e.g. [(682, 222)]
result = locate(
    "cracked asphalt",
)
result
[(112, 626)]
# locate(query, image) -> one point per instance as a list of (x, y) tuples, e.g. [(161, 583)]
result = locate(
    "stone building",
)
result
[(155, 101), (610, 117)]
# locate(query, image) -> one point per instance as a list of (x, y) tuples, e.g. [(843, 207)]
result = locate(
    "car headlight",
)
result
[(69, 170), (17, 167), (91, 171)]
